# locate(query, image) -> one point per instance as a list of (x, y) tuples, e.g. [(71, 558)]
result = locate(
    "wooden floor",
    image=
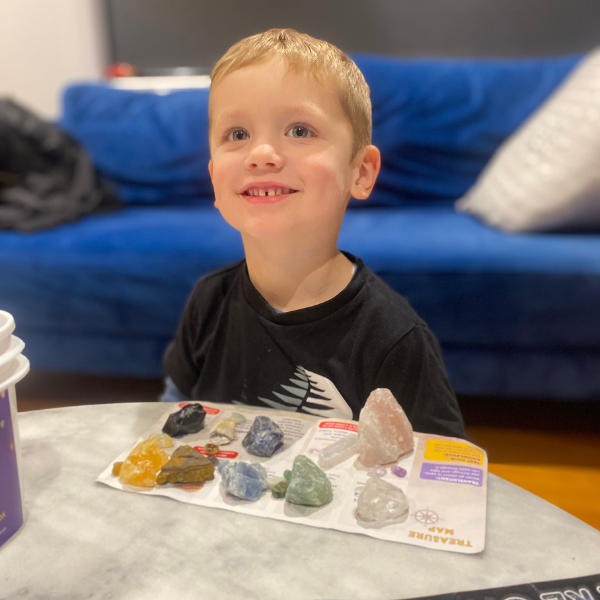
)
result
[(547, 447)]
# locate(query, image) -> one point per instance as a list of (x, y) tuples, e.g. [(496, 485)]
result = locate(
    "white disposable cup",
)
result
[(7, 326), (13, 367), (7, 358)]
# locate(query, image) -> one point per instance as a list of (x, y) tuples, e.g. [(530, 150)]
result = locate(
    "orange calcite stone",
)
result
[(143, 464), (164, 440), (117, 469)]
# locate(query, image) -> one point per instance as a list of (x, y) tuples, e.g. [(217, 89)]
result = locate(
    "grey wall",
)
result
[(171, 33)]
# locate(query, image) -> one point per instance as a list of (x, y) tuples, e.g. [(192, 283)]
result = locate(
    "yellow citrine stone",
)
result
[(143, 463)]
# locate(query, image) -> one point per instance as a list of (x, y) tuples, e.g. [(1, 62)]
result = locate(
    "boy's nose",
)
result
[(264, 156)]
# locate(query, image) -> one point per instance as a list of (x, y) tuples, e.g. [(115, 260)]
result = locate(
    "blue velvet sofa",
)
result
[(516, 315)]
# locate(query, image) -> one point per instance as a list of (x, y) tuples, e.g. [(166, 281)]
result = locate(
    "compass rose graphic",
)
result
[(426, 516)]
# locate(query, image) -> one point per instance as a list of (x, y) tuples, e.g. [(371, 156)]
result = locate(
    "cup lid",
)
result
[(17, 372), (14, 347), (7, 324)]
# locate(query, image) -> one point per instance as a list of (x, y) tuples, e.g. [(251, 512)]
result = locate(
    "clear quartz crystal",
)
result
[(377, 471), (380, 504), (334, 454)]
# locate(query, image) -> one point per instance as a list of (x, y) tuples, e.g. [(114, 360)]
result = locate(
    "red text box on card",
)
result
[(339, 425)]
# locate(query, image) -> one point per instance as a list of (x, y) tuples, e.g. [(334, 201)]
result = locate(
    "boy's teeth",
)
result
[(274, 192)]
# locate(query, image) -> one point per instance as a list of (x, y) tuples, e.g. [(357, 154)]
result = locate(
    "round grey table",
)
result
[(82, 539)]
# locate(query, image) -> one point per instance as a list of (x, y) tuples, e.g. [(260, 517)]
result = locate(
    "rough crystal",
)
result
[(185, 421), (264, 437), (377, 471), (143, 463), (384, 431), (186, 465), (309, 485), (380, 503), (279, 490), (211, 449), (335, 453), (164, 440), (398, 471), (244, 480), (273, 481), (223, 431)]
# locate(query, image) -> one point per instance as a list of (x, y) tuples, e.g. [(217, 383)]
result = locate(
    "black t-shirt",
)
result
[(231, 346)]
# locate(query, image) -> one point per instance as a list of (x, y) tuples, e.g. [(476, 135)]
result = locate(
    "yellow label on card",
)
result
[(453, 452)]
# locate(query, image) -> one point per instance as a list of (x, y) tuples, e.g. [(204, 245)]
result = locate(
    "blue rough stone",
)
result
[(243, 480), (264, 437)]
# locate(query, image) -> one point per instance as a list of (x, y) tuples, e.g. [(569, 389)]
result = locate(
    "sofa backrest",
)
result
[(437, 123)]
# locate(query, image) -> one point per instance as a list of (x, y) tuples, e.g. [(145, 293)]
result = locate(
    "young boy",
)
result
[(299, 325)]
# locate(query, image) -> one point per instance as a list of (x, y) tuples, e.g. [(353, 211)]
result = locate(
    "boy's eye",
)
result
[(237, 135), (300, 131)]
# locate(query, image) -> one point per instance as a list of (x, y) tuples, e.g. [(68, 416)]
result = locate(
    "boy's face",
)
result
[(274, 132)]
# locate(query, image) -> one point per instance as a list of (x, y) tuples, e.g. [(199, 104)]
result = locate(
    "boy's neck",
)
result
[(291, 279)]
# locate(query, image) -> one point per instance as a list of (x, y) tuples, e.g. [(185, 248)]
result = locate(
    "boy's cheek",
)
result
[(328, 174)]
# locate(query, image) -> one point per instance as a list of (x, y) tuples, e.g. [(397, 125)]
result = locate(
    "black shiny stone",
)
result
[(187, 420)]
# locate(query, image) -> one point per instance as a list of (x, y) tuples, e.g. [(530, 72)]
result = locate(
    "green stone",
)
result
[(287, 475), (274, 481), (279, 489), (309, 485)]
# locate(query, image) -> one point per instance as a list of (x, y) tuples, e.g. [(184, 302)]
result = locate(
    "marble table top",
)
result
[(85, 540)]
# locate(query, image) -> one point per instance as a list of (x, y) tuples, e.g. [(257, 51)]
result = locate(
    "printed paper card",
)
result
[(445, 481)]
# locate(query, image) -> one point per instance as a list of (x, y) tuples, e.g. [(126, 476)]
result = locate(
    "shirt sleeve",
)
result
[(414, 372), (179, 361)]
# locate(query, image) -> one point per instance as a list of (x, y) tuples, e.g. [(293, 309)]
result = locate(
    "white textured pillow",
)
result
[(546, 176)]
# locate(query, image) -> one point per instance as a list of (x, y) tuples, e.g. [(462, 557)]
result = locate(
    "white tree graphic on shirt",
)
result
[(310, 393)]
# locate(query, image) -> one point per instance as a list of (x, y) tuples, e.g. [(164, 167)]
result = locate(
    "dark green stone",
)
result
[(279, 489)]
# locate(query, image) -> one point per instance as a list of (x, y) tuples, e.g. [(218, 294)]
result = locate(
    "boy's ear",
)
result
[(210, 168), (368, 163)]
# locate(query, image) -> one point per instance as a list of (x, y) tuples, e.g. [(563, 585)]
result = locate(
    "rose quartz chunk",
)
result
[(384, 431)]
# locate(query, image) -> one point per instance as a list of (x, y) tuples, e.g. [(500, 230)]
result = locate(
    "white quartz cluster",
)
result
[(380, 503)]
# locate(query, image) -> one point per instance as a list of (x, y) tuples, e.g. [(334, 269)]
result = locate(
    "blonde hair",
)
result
[(303, 53)]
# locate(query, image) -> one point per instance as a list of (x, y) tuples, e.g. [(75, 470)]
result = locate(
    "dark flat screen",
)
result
[(163, 34)]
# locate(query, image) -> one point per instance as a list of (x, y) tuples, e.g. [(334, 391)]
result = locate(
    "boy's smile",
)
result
[(281, 149), (266, 192)]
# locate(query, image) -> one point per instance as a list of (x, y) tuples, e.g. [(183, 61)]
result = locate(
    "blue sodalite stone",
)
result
[(243, 480), (264, 437)]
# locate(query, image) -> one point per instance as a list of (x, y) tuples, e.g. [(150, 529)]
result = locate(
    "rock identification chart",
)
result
[(444, 479)]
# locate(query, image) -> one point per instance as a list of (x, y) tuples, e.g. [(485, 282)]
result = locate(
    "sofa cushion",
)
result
[(154, 147), (127, 274), (546, 176), (437, 122), (480, 288)]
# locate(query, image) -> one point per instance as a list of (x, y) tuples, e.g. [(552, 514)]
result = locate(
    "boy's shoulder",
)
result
[(388, 306), (212, 290), (219, 281)]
